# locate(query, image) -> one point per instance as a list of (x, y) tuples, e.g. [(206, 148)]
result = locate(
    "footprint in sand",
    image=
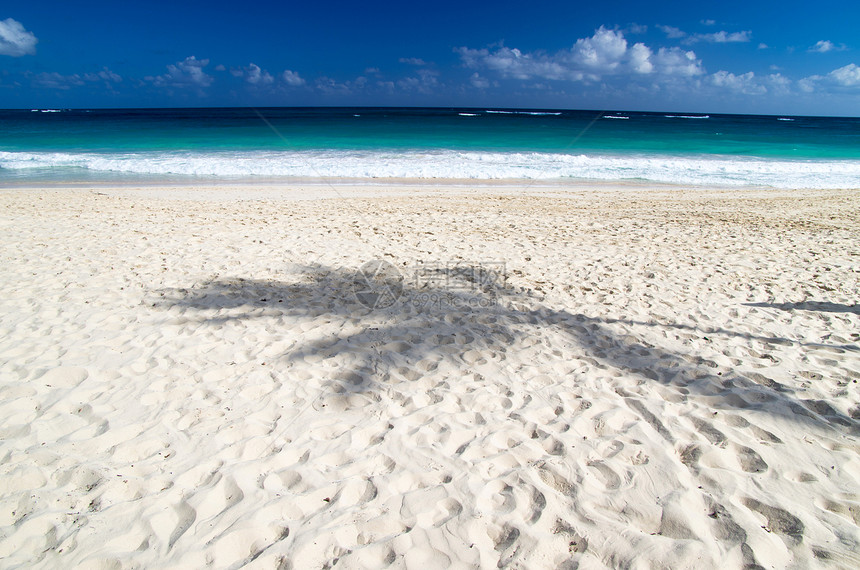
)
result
[(827, 411), (640, 458), (764, 435), (690, 455), (761, 434), (64, 377), (801, 477), (172, 524), (786, 525), (712, 434), (729, 532), (285, 481), (536, 503), (356, 493), (506, 538), (216, 500), (577, 544), (750, 460), (613, 449), (610, 478), (650, 418), (552, 446), (497, 496), (448, 509), (560, 483)]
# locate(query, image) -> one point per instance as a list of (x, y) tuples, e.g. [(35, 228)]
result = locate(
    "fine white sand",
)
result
[(650, 378)]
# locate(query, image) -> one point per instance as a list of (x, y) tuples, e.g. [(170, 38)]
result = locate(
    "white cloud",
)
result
[(807, 84), (721, 37), (105, 75), (708, 22), (412, 60), (425, 81), (675, 61), (513, 63), (15, 41), (54, 80), (186, 73), (420, 81), (672, 32), (847, 76), (330, 86), (256, 76), (640, 58), (745, 83), (824, 46), (292, 78), (763, 45), (604, 53), (479, 82), (778, 83)]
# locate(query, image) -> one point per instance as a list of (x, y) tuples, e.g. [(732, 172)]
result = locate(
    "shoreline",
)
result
[(246, 181), (313, 188), (167, 182)]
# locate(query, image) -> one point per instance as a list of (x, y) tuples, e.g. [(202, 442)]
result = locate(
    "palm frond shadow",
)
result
[(820, 306), (468, 325)]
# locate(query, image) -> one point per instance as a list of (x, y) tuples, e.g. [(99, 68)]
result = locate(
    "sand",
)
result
[(615, 376)]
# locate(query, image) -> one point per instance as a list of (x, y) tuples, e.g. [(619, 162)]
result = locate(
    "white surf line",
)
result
[(570, 144)]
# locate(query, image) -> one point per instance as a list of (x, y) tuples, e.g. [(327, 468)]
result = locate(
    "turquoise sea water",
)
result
[(191, 144)]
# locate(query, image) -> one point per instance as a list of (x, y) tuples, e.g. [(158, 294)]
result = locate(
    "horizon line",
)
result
[(434, 107)]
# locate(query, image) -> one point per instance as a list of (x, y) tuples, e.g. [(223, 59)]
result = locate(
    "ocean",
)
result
[(211, 144)]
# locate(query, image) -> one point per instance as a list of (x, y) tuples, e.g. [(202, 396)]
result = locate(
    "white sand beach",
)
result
[(566, 377)]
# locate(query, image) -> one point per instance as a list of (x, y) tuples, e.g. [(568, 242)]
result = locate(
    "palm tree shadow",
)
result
[(821, 306), (457, 320)]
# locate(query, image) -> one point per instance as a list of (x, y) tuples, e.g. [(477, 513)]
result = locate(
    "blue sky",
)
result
[(746, 57)]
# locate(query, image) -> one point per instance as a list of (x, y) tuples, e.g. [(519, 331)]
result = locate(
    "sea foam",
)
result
[(483, 165)]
